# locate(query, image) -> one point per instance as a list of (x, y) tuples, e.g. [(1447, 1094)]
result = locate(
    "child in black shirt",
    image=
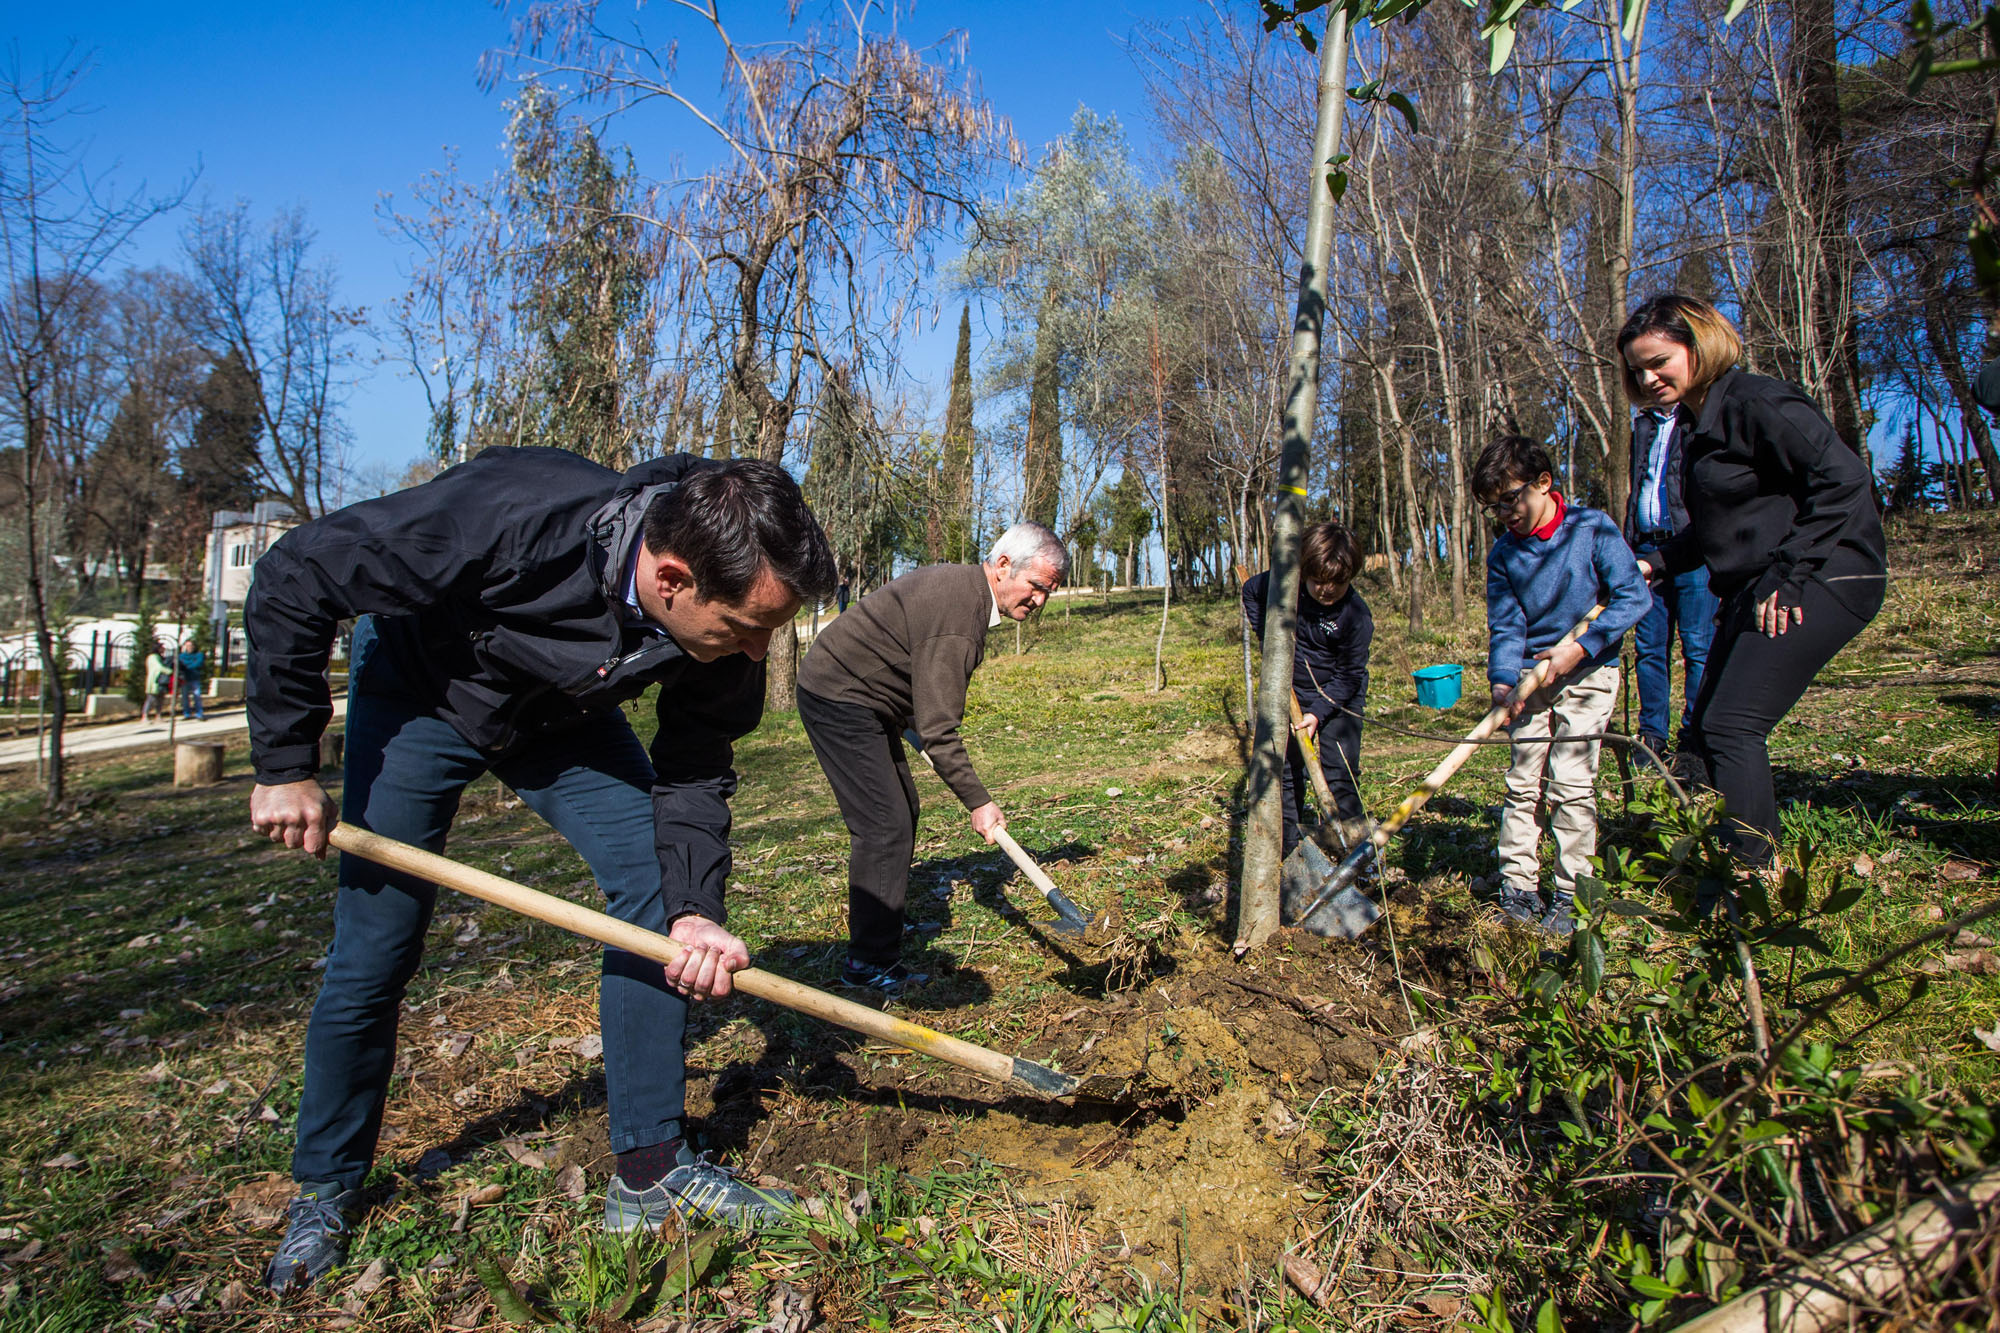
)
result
[(1329, 667)]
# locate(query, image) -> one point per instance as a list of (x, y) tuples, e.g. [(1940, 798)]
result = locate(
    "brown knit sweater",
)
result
[(906, 653)]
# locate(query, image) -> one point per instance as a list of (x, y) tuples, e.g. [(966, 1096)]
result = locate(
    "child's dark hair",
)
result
[(1328, 553), (1507, 462)]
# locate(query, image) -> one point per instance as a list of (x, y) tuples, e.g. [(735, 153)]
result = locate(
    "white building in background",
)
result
[(235, 541)]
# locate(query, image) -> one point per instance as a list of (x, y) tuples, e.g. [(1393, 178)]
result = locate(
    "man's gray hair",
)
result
[(1030, 543)]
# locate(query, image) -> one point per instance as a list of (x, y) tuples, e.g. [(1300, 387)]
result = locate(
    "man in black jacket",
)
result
[(1654, 515), (511, 606), (1329, 668)]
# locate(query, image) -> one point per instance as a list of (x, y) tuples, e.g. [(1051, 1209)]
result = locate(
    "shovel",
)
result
[(1341, 882), (1350, 911), (1070, 919), (1009, 1070)]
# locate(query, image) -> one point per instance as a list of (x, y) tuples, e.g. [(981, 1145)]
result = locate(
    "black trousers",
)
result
[(1750, 683), (1339, 760), (868, 767)]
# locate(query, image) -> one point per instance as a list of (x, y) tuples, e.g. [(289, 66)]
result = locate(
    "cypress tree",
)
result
[(1041, 465), (951, 520)]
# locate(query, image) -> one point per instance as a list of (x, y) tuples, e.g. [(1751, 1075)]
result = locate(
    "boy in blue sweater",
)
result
[(1553, 562)]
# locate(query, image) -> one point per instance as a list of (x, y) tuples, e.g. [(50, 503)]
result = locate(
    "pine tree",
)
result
[(844, 483), (218, 464), (951, 517), (580, 288)]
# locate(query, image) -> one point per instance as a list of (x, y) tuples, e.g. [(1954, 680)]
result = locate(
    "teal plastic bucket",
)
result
[(1439, 686)]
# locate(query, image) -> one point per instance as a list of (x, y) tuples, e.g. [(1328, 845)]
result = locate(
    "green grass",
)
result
[(157, 961)]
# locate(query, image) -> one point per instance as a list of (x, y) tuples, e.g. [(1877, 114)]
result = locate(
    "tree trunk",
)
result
[(1263, 837), (33, 457)]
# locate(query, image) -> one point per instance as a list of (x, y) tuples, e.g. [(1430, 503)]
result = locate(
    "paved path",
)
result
[(110, 736)]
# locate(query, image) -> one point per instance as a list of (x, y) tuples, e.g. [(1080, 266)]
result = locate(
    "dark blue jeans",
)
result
[(406, 769), (1682, 604), (1339, 762)]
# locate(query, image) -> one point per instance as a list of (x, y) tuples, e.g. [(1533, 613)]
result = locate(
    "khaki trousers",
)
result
[(1582, 708)]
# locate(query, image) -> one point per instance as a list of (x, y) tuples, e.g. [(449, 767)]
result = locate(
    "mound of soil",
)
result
[(1195, 1172)]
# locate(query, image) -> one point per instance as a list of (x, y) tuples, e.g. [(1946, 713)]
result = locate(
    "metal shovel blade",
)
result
[(1301, 881)]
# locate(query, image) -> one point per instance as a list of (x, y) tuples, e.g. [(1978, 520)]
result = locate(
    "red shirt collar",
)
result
[(1548, 529)]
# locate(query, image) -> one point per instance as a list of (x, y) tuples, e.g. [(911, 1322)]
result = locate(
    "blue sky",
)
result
[(332, 105)]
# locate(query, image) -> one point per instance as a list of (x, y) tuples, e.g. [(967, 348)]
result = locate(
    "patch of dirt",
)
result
[(1213, 746), (1195, 1171), (1209, 1194)]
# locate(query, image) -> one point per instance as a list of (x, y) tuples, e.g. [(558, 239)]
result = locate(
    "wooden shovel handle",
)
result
[(1026, 862), (1057, 899), (609, 930), (1489, 724), (1309, 746)]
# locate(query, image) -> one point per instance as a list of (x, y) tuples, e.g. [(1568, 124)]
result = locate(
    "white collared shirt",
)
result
[(997, 619), (1652, 511)]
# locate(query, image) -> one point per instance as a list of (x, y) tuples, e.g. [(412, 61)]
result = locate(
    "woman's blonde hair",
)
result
[(1712, 341)]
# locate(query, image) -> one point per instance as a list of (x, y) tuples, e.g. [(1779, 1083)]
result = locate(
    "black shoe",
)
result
[(1521, 907), (316, 1227), (1689, 768), (697, 1189), (1657, 744), (1560, 919), (888, 982)]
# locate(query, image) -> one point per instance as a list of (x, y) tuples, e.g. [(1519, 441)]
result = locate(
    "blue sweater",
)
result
[(1536, 590)]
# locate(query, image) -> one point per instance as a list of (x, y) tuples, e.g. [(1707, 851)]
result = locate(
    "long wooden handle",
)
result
[(1067, 910), (1489, 724), (1024, 861), (1310, 747), (609, 930), (1057, 899)]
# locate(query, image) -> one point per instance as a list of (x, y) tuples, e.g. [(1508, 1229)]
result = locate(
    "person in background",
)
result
[(1782, 513), (189, 667), (157, 681), (901, 658), (1329, 671), (1551, 564), (1683, 606)]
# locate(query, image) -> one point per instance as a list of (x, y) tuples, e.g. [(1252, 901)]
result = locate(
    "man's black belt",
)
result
[(1659, 537)]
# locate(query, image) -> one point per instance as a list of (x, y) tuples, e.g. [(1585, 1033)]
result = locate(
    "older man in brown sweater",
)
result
[(901, 658)]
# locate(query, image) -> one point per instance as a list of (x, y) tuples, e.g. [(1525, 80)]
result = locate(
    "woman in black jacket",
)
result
[(1783, 514)]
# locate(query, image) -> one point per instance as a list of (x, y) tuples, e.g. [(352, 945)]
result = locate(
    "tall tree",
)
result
[(1041, 454), (848, 483), (218, 463), (956, 537), (269, 302), (59, 229), (848, 153), (581, 268)]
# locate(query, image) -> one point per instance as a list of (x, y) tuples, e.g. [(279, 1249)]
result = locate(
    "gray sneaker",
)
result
[(1520, 906), (697, 1189), (1560, 919), (889, 982), (316, 1227)]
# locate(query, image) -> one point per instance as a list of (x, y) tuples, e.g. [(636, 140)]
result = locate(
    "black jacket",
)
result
[(1330, 659), (1776, 499), (1646, 429), (499, 587)]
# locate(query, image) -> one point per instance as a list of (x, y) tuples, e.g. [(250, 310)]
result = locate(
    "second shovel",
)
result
[(1070, 919)]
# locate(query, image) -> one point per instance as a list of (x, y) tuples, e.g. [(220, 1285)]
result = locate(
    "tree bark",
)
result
[(1263, 837)]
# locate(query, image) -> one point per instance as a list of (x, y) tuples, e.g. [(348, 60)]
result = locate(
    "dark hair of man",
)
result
[(1328, 553), (729, 522), (1506, 463)]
